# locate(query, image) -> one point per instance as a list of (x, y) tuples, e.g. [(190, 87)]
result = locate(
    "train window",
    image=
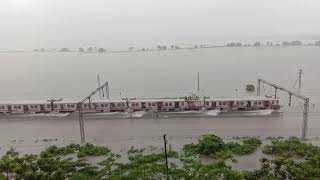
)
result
[(207, 103), (259, 102), (55, 106), (224, 103), (101, 105), (72, 105), (19, 107), (166, 104), (106, 105), (153, 104), (35, 106), (220, 103), (255, 103), (242, 103), (68, 105), (132, 104), (272, 102)]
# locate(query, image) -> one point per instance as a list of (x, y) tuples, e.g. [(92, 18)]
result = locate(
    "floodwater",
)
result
[(223, 71)]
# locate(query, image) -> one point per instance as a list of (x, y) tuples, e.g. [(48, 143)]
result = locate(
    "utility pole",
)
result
[(166, 155), (81, 114), (300, 78), (198, 82), (291, 93), (99, 85)]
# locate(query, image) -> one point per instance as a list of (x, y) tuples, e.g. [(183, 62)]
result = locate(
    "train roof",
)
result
[(250, 98), (64, 101)]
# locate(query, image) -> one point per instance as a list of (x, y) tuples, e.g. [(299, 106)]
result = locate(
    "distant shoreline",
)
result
[(95, 50)]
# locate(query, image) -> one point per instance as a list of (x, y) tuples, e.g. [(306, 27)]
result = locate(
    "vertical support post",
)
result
[(289, 99), (258, 87), (107, 91), (51, 104), (81, 124), (198, 82), (300, 79), (99, 85), (89, 103), (166, 155), (275, 93), (305, 119)]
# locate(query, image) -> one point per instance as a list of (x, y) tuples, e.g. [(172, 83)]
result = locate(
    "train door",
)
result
[(143, 105), (266, 104), (248, 104), (41, 107), (214, 105), (61, 107), (9, 108), (159, 105), (231, 104), (25, 108), (176, 105)]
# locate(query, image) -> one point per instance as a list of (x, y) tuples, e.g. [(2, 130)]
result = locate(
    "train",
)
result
[(187, 103)]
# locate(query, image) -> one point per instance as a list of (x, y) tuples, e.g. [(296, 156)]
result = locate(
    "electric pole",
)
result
[(99, 85), (291, 93), (300, 78), (166, 155), (81, 113), (198, 82)]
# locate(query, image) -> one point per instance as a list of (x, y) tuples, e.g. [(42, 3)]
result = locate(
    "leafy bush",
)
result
[(212, 144), (207, 145), (291, 147)]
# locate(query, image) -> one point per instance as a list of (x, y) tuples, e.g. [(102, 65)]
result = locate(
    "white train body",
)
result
[(133, 104)]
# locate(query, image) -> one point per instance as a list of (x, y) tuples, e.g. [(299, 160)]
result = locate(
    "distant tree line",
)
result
[(176, 47)]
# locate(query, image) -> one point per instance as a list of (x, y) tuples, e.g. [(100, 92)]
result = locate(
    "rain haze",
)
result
[(116, 24), (223, 83)]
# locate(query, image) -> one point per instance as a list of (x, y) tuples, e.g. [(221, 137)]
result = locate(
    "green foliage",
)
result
[(207, 145), (248, 146), (52, 163), (215, 147), (91, 150), (250, 87), (195, 169), (291, 147), (82, 151)]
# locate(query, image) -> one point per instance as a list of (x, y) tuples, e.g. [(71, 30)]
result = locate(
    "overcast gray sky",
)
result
[(122, 23)]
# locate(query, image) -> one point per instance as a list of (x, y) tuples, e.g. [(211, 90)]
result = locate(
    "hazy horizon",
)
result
[(28, 24)]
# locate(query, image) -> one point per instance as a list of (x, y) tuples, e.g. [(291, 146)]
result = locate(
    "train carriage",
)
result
[(34, 108), (101, 106), (118, 105), (5, 108), (151, 105)]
